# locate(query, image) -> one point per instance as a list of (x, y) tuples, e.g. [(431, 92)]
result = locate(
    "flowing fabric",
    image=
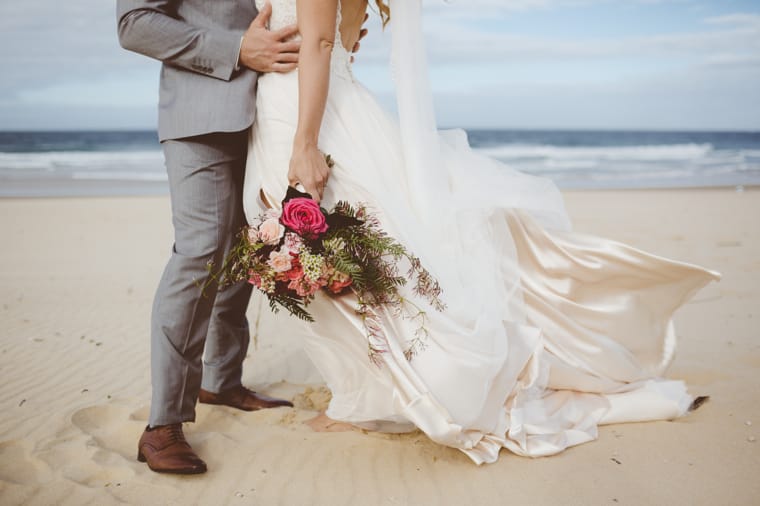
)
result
[(417, 124), (547, 333)]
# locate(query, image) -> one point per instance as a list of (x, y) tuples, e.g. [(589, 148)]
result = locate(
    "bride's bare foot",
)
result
[(323, 423)]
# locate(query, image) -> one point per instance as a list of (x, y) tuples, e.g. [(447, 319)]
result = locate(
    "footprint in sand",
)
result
[(98, 447), (97, 450), (111, 427), (141, 414), (18, 466)]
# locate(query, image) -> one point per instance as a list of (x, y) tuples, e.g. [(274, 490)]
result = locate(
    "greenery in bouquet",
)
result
[(292, 254)]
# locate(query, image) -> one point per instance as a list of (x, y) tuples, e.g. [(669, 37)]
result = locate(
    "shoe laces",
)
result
[(175, 434)]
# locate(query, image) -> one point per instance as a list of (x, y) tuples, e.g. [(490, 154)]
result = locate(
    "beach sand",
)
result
[(77, 277)]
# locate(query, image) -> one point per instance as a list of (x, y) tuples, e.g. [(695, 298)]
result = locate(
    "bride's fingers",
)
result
[(313, 187), (319, 187), (315, 192)]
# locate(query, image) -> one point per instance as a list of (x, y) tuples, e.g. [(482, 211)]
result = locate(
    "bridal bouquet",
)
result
[(293, 253)]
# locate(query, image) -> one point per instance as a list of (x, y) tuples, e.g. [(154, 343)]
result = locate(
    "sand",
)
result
[(77, 278)]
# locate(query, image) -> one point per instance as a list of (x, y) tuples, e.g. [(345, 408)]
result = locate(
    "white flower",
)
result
[(293, 242)]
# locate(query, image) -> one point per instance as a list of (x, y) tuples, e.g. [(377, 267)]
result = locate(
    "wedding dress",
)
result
[(547, 333)]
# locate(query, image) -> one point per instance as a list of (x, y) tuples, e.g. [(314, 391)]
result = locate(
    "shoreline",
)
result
[(160, 190)]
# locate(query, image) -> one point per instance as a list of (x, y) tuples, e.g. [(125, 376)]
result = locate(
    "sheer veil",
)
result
[(459, 194), (415, 106), (428, 152)]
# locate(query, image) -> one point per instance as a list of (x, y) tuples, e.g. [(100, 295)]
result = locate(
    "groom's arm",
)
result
[(151, 28)]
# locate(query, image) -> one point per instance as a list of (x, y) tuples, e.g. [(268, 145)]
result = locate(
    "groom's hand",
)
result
[(266, 51), (362, 33)]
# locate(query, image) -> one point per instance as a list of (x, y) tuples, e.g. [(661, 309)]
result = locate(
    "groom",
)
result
[(211, 52)]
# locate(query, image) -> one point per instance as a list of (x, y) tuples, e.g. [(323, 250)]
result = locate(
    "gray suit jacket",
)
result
[(198, 42)]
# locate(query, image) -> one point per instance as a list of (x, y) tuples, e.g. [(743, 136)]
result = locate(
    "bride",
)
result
[(547, 333)]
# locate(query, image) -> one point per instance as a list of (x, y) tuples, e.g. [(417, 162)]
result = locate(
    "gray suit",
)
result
[(205, 109)]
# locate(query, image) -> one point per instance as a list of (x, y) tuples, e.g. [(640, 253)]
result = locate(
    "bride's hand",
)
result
[(309, 167)]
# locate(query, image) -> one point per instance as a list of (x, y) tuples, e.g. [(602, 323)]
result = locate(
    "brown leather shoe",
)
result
[(165, 450), (241, 398)]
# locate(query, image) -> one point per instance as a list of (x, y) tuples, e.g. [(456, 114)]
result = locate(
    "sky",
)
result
[(536, 64)]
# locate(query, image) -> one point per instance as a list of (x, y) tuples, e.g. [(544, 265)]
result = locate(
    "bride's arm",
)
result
[(316, 22)]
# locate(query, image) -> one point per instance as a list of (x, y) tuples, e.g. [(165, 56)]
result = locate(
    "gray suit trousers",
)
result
[(206, 184)]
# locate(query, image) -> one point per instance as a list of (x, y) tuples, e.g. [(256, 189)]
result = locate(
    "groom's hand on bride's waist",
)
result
[(265, 51), (362, 33)]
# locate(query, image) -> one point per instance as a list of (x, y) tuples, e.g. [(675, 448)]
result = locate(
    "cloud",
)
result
[(46, 42), (499, 9), (454, 42), (751, 21), (682, 100), (65, 56), (705, 77)]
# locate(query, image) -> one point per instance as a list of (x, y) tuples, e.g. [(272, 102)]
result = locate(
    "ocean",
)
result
[(36, 164)]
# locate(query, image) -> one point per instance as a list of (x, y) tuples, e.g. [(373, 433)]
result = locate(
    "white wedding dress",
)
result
[(547, 333)]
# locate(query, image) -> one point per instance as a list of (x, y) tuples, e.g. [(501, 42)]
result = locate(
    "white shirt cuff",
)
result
[(237, 62)]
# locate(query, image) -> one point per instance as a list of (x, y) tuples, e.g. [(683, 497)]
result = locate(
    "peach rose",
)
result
[(280, 261), (271, 231)]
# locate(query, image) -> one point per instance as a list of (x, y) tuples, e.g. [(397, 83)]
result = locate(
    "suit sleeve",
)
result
[(152, 28)]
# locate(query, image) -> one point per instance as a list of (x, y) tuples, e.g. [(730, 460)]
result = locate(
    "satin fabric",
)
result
[(547, 333)]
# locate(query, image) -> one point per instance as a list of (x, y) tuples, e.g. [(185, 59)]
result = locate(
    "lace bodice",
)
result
[(284, 14)]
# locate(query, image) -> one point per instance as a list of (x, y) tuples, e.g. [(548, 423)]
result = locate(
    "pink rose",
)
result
[(304, 217), (280, 261), (271, 231)]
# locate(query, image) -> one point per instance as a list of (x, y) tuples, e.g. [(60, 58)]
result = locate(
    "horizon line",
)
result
[(469, 128)]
